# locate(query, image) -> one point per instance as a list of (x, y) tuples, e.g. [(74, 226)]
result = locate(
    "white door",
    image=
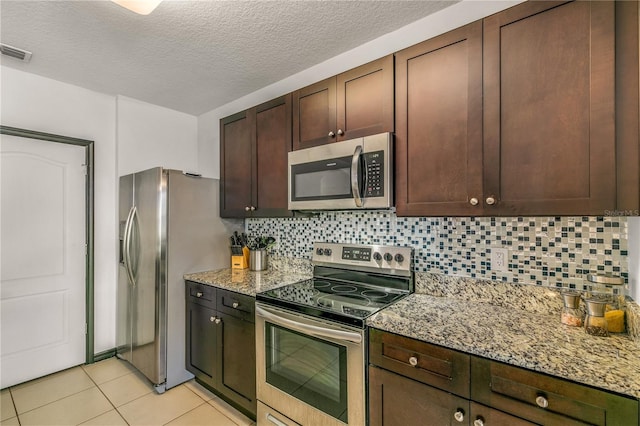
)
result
[(42, 251)]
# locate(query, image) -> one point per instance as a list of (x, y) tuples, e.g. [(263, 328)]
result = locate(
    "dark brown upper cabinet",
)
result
[(439, 125), (549, 109), (355, 103), (253, 153), (514, 115)]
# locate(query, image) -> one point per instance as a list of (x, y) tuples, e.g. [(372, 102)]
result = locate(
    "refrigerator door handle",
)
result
[(127, 245)]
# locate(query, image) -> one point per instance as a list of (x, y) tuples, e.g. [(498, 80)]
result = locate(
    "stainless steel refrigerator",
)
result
[(169, 226)]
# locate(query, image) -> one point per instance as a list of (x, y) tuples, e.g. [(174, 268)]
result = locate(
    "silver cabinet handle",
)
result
[(331, 134), (198, 294), (217, 320), (459, 416), (340, 132), (235, 305), (212, 319), (542, 402), (252, 208), (490, 201), (478, 422), (275, 421), (473, 201), (413, 361), (246, 209), (355, 185)]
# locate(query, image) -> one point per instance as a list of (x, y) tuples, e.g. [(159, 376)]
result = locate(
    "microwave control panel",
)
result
[(374, 164)]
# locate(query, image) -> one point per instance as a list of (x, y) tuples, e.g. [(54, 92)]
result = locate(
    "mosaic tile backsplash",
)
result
[(544, 251)]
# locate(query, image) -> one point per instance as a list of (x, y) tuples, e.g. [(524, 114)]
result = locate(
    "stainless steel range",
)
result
[(310, 335)]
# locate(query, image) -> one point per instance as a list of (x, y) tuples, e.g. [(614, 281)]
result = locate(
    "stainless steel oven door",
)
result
[(309, 369)]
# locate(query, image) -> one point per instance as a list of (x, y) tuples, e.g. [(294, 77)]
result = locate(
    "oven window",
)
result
[(307, 368)]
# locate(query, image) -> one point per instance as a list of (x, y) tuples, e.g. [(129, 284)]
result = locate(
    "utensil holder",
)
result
[(257, 260)]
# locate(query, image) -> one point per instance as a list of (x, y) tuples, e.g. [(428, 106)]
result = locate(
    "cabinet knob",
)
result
[(246, 209), (252, 208), (473, 201), (542, 402), (490, 201), (235, 304), (413, 361), (478, 422), (212, 319), (217, 320), (331, 134), (459, 416), (198, 294), (340, 132)]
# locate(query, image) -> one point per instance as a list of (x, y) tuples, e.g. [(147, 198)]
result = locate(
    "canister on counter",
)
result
[(612, 289), (595, 322), (571, 314)]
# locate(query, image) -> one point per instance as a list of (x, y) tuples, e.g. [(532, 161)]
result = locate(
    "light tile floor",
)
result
[(110, 393)]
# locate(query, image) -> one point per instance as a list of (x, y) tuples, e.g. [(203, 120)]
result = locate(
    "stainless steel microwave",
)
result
[(352, 174)]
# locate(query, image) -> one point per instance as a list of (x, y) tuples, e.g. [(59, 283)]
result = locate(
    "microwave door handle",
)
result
[(355, 184)]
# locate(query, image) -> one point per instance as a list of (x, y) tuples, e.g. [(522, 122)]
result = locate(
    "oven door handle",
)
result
[(310, 329)]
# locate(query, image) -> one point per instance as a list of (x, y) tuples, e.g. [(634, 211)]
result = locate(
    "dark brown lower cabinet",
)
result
[(220, 344), (547, 400), (417, 383), (397, 400)]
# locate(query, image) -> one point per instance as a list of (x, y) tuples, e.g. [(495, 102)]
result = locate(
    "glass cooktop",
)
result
[(350, 303)]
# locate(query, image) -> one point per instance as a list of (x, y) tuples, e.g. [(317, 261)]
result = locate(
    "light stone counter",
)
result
[(522, 338), (281, 272)]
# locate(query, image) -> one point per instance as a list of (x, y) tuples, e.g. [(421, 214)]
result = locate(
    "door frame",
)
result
[(89, 215)]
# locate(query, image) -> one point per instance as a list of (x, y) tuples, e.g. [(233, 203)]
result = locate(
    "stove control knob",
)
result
[(377, 257), (327, 252), (388, 257), (319, 251), (399, 258)]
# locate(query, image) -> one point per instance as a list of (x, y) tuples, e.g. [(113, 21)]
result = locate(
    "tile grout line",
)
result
[(106, 397), (207, 402), (13, 402)]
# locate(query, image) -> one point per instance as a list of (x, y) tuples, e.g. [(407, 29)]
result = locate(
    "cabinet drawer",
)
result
[(236, 304), (430, 364), (397, 400), (547, 400), (201, 294)]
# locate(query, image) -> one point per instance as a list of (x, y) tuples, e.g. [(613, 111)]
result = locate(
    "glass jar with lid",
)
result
[(595, 322), (612, 289), (571, 313)]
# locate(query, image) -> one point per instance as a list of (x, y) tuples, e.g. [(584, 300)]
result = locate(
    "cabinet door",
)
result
[(237, 170), (489, 416), (273, 143), (364, 102), (237, 356), (396, 400), (549, 134), (201, 342), (439, 125), (314, 114)]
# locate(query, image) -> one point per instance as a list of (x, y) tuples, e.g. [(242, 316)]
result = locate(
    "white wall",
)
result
[(35, 103), (448, 19), (149, 135)]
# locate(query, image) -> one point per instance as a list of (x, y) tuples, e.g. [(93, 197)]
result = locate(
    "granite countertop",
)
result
[(247, 282), (531, 340)]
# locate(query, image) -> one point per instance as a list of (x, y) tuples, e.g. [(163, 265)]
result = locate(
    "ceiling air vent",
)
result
[(14, 52)]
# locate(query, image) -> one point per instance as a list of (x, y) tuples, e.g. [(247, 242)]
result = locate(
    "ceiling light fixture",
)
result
[(141, 7)]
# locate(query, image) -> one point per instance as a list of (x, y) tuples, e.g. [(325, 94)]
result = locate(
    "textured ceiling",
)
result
[(192, 56)]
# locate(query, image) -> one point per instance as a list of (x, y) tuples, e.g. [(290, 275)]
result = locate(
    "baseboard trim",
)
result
[(109, 353)]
